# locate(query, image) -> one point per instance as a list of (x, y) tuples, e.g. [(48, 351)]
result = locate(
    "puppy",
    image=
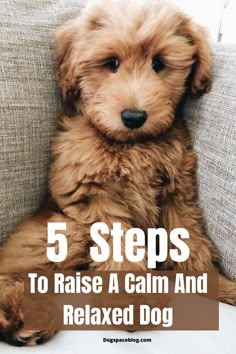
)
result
[(122, 152)]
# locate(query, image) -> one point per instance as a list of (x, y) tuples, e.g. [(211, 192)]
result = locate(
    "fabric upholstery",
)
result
[(212, 121), (29, 101)]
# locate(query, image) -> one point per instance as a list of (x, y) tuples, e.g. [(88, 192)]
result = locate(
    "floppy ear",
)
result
[(66, 36), (200, 77)]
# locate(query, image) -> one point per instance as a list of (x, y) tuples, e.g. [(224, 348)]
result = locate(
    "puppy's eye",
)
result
[(157, 65), (112, 64)]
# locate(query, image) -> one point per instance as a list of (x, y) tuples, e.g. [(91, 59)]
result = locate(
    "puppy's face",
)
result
[(125, 65)]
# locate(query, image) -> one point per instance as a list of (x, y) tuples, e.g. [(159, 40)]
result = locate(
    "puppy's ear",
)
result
[(66, 36), (200, 77)]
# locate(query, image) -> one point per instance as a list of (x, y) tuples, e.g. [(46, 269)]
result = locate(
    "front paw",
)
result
[(11, 321), (13, 331), (12, 327), (27, 337)]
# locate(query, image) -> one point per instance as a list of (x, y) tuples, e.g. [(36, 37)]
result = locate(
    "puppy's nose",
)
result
[(133, 119)]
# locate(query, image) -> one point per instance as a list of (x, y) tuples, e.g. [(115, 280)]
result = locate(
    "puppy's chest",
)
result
[(136, 165), (133, 175)]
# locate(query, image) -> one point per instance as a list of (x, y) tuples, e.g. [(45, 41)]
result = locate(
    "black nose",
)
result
[(133, 119)]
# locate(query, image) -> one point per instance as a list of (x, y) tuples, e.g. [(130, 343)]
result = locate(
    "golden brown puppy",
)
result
[(122, 154)]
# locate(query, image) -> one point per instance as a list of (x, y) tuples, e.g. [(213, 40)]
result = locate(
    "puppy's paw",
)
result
[(10, 322), (12, 327), (27, 337), (12, 330)]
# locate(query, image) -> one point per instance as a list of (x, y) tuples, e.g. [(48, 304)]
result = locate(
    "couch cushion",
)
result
[(212, 121), (29, 102)]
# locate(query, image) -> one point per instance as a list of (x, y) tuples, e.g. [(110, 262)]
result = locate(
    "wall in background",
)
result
[(218, 16), (228, 27)]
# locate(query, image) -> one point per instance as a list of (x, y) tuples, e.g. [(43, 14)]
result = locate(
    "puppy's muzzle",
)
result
[(133, 119)]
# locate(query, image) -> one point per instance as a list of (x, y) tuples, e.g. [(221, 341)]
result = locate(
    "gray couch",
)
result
[(30, 101)]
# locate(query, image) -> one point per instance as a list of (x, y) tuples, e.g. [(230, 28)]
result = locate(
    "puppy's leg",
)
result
[(103, 204), (203, 255), (125, 264), (110, 264), (25, 251), (180, 209)]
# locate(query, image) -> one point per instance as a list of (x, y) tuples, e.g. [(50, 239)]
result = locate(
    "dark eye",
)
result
[(157, 65), (112, 64)]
